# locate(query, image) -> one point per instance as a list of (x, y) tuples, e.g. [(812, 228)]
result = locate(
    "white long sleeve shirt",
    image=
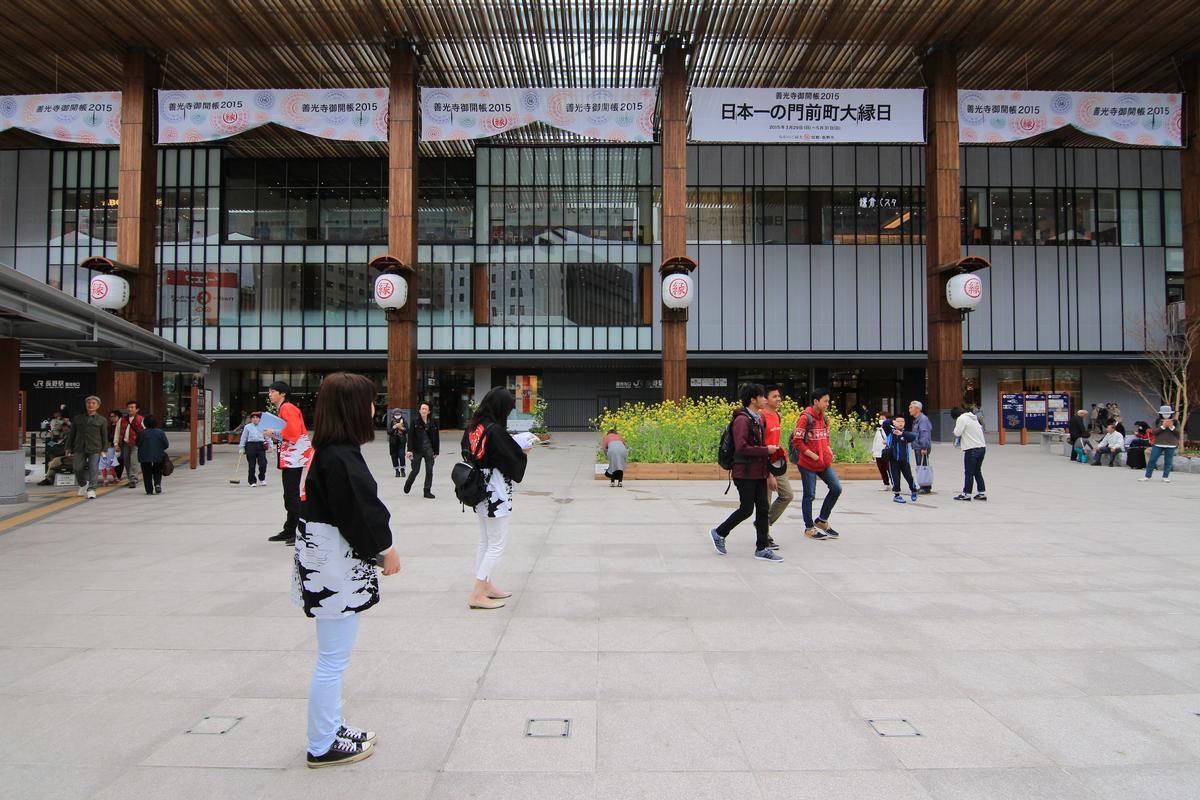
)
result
[(968, 429), (1113, 441)]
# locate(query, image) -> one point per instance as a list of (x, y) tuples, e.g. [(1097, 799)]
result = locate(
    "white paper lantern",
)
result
[(964, 291), (110, 292), (678, 290), (391, 291)]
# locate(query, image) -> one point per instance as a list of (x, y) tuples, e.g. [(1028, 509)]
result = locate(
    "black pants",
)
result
[(151, 475), (396, 447), (427, 457), (256, 456), (902, 467), (973, 469), (754, 497), (291, 498)]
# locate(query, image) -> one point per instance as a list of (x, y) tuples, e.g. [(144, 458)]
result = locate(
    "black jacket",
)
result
[(499, 452), (341, 492), (423, 436), (1078, 429)]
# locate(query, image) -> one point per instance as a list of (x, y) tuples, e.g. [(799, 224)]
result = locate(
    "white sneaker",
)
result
[(1166, 480), (82, 491), (1143, 479), (254, 486), (91, 494)]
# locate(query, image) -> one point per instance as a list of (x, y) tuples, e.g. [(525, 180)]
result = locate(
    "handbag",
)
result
[(924, 473), (168, 466), (469, 485)]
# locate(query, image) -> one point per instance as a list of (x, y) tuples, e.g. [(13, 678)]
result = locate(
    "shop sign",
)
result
[(205, 115), (201, 296), (1012, 411), (81, 117), (808, 115), (654, 383), (1035, 411), (996, 116), (706, 383), (615, 115)]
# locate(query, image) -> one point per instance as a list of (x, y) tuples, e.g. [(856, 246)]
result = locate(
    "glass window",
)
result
[(1045, 217), (1022, 216), (797, 216), (978, 219), (1152, 218), (1068, 380), (1081, 216), (891, 215), (1106, 216), (1131, 218), (1039, 380), (733, 216), (1173, 219), (867, 216), (845, 211), (770, 216), (1001, 216), (709, 215), (820, 215)]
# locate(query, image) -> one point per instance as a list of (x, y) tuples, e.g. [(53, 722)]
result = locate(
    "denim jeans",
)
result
[(1168, 454), (972, 472), (809, 478), (335, 640)]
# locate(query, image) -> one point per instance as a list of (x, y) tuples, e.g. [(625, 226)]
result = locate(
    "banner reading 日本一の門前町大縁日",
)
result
[(80, 117), (1146, 119), (351, 115), (616, 115), (810, 116)]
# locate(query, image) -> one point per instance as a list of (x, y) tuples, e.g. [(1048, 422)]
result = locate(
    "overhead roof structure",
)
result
[(55, 324), (1078, 45)]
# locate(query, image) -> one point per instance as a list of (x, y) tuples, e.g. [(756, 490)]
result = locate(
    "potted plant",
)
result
[(539, 421), (220, 419)]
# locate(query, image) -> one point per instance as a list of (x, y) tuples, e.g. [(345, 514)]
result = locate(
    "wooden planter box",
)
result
[(711, 472)]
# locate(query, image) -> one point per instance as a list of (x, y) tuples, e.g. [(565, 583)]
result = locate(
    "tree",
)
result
[(1170, 343)]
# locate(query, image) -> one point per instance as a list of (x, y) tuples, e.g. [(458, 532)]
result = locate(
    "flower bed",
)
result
[(689, 432)]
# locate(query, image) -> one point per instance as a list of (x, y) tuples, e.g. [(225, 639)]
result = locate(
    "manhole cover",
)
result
[(893, 727), (547, 728), (214, 725)]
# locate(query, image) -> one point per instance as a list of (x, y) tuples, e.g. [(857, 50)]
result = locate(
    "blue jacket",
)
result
[(923, 428), (897, 442), (152, 445)]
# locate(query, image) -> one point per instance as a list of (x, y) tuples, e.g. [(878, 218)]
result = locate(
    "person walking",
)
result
[(424, 445), (295, 450), (126, 441), (1166, 442), (879, 451), (898, 442), (1079, 432), (253, 445), (777, 477), (109, 459), (487, 443), (87, 439), (749, 474), (922, 426), (397, 441), (810, 441), (346, 532), (974, 447), (1112, 444), (152, 450), (617, 453)]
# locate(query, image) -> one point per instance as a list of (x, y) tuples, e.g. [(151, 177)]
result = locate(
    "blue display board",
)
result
[(1035, 411), (1059, 411), (1012, 408)]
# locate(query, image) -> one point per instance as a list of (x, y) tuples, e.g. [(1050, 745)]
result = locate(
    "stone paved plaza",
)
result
[(1045, 644)]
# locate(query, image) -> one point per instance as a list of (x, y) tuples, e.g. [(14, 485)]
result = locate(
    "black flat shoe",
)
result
[(279, 537), (429, 496)]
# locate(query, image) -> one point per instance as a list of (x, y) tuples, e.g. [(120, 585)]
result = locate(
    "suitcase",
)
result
[(1135, 458)]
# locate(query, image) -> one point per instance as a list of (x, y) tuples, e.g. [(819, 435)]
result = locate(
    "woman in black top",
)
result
[(345, 529), (486, 441), (423, 445)]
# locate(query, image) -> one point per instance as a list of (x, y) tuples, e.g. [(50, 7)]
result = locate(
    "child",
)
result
[(898, 440), (879, 451), (109, 458)]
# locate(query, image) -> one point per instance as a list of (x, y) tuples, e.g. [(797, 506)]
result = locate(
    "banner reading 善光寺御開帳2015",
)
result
[(1148, 119), (808, 116), (616, 115), (352, 115), (81, 117)]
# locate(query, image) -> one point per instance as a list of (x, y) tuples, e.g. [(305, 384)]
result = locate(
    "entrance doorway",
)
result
[(448, 392)]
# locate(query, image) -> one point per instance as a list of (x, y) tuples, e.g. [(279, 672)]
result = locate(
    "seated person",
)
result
[(1112, 443)]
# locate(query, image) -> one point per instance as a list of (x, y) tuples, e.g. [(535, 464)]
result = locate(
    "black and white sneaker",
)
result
[(356, 735), (963, 496), (981, 496), (343, 751), (718, 541), (771, 544)]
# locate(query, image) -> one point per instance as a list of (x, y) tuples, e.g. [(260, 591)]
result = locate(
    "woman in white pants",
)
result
[(486, 441)]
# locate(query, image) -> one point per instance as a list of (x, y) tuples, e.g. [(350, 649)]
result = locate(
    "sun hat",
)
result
[(1166, 411)]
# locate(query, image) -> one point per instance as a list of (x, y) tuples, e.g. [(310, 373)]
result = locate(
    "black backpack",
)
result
[(469, 486), (726, 451), (793, 451)]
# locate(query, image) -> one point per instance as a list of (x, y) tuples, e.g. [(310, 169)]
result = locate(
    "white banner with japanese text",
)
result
[(807, 115), (1149, 120), (82, 117), (615, 115), (350, 115)]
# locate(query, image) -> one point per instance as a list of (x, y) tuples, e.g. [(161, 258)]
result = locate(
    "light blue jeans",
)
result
[(335, 641)]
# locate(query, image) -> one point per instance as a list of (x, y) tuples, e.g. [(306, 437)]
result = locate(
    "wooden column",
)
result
[(402, 222), (10, 389), (106, 386), (137, 214), (674, 211), (942, 234), (481, 294), (1190, 208)]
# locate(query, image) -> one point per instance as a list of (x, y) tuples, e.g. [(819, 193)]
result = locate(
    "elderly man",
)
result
[(922, 426), (1079, 432)]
